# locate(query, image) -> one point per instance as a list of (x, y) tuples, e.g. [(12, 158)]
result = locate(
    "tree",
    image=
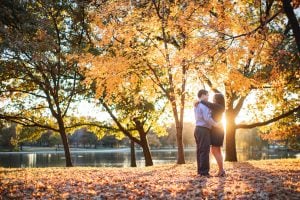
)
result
[(244, 48), (134, 114), (55, 139), (7, 135), (287, 129), (257, 59), (44, 138), (38, 82), (160, 41), (134, 118), (88, 138)]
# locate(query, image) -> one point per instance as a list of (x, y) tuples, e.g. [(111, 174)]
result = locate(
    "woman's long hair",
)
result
[(219, 98)]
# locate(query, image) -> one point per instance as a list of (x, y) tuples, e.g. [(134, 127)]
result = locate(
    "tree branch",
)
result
[(70, 96), (209, 83), (23, 91), (239, 105), (254, 30), (92, 124), (121, 128), (29, 123), (247, 126)]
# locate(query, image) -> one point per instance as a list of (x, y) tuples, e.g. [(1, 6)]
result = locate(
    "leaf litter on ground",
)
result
[(265, 179)]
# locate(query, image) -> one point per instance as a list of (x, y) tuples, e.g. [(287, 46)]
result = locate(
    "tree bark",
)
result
[(132, 154), (180, 149), (230, 154), (288, 9), (65, 142), (146, 150), (179, 128)]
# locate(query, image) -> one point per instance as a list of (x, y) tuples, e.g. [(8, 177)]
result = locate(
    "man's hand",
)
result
[(196, 103)]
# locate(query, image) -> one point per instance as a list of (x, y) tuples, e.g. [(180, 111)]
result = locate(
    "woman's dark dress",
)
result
[(217, 133)]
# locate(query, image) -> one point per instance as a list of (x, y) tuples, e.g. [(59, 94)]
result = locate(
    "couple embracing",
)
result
[(209, 132)]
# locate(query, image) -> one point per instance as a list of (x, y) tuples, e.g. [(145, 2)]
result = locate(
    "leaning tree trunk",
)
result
[(230, 151), (132, 154), (65, 142), (146, 150)]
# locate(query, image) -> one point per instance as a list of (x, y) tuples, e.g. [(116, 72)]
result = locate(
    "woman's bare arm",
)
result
[(213, 106)]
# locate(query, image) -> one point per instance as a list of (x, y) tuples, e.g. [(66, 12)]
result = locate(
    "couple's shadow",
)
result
[(246, 180)]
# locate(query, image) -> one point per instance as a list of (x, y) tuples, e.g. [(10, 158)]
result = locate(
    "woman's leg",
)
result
[(216, 151)]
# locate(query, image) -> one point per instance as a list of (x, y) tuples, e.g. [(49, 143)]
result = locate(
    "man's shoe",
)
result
[(204, 175)]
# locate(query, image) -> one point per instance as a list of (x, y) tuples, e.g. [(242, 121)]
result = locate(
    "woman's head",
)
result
[(219, 99)]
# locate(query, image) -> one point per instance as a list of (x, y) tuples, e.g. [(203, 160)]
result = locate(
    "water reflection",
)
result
[(115, 158)]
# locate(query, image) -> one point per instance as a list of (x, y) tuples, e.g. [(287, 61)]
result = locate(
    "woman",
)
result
[(217, 132)]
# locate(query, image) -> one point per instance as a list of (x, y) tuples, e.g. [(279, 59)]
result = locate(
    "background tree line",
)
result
[(10, 140)]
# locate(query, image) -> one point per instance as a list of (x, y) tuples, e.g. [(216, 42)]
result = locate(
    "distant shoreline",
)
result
[(40, 150), (52, 150)]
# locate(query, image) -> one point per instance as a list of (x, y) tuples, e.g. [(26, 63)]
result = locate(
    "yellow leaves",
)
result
[(238, 83), (107, 71), (41, 35)]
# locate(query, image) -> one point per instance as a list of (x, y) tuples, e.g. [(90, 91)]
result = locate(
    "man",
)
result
[(204, 123)]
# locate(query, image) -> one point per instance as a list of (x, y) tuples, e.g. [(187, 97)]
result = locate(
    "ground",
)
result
[(267, 179)]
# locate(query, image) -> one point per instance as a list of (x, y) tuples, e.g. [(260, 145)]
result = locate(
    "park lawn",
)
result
[(267, 179)]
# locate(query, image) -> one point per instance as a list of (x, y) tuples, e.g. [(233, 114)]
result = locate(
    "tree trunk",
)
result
[(179, 128), (64, 139), (132, 154), (180, 149), (230, 154), (288, 9), (146, 150)]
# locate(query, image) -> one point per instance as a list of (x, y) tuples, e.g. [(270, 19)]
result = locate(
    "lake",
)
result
[(114, 157)]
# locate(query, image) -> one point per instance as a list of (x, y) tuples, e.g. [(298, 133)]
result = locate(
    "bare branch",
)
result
[(239, 105), (247, 126)]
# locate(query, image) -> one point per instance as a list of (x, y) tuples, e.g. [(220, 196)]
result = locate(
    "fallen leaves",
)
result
[(269, 179)]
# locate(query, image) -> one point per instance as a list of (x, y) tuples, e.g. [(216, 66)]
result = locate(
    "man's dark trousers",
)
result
[(202, 137)]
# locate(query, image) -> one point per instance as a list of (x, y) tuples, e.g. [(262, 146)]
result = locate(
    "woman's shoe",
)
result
[(221, 174)]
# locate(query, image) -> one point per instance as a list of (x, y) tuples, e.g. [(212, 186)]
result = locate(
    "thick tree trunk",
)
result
[(132, 154), (146, 150), (230, 154), (288, 9), (64, 139)]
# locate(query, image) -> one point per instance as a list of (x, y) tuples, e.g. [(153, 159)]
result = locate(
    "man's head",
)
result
[(203, 95)]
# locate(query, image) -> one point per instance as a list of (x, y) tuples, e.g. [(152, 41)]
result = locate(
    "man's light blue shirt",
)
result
[(203, 116)]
